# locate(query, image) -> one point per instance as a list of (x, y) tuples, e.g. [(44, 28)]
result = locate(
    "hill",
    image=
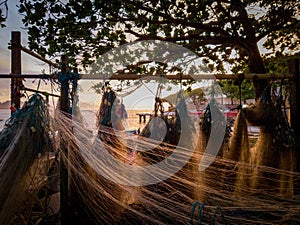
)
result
[(5, 105)]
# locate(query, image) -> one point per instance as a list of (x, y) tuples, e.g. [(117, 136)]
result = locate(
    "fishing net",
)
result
[(26, 152), (274, 146), (239, 143), (116, 178), (112, 200), (175, 199), (167, 126), (85, 179), (213, 119), (239, 151)]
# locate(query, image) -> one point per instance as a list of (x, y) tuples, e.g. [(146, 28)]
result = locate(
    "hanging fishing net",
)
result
[(112, 200), (239, 143), (118, 178), (165, 129), (217, 120), (85, 177), (212, 120), (25, 160), (110, 114), (274, 146)]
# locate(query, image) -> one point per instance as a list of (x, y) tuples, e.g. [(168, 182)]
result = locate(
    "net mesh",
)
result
[(242, 186)]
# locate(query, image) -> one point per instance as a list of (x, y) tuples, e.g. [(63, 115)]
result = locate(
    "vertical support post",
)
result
[(295, 112), (295, 96), (64, 84), (64, 176), (15, 69)]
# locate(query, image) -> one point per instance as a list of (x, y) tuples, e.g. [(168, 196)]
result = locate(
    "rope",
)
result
[(200, 212), (239, 82), (159, 87), (148, 89), (158, 101), (65, 81)]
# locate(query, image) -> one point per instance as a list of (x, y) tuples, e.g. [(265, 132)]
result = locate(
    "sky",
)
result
[(29, 64), (142, 98)]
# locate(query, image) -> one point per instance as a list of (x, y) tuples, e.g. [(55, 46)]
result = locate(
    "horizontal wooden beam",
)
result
[(39, 57), (151, 76), (28, 76), (184, 77)]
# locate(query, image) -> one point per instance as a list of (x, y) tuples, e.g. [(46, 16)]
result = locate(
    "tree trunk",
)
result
[(256, 65)]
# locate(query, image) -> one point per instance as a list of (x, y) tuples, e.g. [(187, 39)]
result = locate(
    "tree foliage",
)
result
[(196, 94), (224, 32), (231, 89), (214, 29), (3, 13)]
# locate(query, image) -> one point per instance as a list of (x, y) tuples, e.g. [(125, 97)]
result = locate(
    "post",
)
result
[(64, 90), (16, 83), (295, 112), (64, 176), (295, 96)]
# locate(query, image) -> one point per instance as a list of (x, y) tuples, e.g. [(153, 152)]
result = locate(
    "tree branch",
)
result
[(276, 28)]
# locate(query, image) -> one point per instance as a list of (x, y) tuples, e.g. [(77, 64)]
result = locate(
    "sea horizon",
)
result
[(132, 123)]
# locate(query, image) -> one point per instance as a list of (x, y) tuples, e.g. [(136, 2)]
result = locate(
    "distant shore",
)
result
[(5, 105)]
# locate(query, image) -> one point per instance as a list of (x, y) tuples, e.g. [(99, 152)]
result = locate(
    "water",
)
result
[(132, 123), (4, 115)]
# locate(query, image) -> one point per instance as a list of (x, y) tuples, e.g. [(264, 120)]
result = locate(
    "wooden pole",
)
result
[(64, 175), (182, 76), (294, 113), (295, 96), (38, 57), (40, 92), (148, 76), (64, 89), (16, 83)]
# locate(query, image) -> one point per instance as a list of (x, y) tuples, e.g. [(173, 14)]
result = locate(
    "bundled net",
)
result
[(26, 154), (239, 143), (167, 128), (275, 145), (212, 120)]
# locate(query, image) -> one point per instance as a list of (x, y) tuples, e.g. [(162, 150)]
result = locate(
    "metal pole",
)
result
[(16, 83)]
